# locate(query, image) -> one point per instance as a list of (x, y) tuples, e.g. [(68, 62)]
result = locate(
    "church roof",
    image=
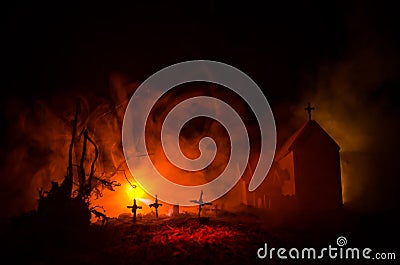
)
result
[(293, 140)]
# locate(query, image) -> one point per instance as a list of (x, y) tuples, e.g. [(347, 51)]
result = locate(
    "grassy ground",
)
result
[(226, 239)]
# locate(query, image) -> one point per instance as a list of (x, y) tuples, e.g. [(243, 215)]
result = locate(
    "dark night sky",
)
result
[(62, 46), (280, 45), (48, 48)]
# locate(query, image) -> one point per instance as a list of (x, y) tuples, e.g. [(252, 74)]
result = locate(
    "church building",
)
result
[(305, 173)]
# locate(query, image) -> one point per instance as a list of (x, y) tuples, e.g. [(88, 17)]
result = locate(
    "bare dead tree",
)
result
[(82, 173), (69, 177), (78, 190), (92, 169)]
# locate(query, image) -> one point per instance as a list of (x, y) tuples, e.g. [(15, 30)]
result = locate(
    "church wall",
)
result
[(317, 172), (286, 174), (236, 197)]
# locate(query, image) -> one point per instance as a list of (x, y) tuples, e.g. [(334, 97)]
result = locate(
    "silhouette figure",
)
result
[(134, 207), (156, 205), (200, 202)]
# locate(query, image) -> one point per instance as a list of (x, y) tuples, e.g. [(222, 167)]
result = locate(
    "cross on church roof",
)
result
[(309, 109)]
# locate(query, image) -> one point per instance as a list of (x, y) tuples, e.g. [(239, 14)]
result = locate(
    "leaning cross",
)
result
[(309, 109), (156, 205), (134, 207)]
